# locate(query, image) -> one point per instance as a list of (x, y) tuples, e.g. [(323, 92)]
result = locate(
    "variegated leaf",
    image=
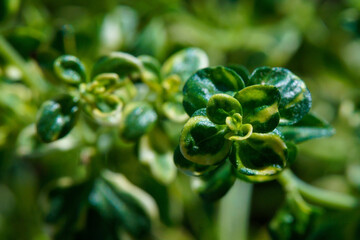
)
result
[(57, 117), (139, 118), (203, 142), (221, 106), (207, 82), (184, 63), (295, 97), (260, 107), (260, 157), (70, 69)]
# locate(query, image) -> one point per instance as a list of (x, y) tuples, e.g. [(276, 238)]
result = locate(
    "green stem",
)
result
[(30, 76), (316, 195), (232, 225)]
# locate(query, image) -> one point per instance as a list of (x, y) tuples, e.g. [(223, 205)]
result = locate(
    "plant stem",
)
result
[(316, 195), (232, 225), (30, 76)]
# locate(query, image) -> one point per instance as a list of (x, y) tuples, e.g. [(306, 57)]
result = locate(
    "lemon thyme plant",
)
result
[(234, 125), (247, 126), (243, 121), (142, 101), (101, 119)]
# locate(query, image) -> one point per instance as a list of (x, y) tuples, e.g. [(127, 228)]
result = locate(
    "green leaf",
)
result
[(64, 39), (106, 110), (118, 28), (309, 127), (241, 71), (221, 106), (139, 118), (119, 206), (292, 152), (203, 142), (293, 221), (216, 184), (184, 63), (188, 167), (70, 69), (160, 163), (175, 112), (109, 198), (295, 97), (151, 74), (207, 82), (26, 40), (57, 117), (152, 39), (67, 203), (123, 64), (104, 83), (260, 107), (260, 157), (120, 184)]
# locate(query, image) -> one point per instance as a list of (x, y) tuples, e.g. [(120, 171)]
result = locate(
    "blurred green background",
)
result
[(318, 40)]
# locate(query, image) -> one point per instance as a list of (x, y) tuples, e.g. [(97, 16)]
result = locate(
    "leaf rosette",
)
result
[(236, 119)]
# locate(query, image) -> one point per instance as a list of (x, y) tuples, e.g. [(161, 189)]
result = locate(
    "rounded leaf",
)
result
[(151, 74), (207, 82), (106, 110), (203, 142), (184, 63), (260, 157), (57, 117), (221, 106), (241, 71), (260, 107), (175, 112), (295, 100), (188, 167), (70, 69), (139, 118), (215, 184), (160, 163), (123, 64)]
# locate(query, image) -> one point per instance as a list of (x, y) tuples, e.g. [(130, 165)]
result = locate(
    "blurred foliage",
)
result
[(62, 190)]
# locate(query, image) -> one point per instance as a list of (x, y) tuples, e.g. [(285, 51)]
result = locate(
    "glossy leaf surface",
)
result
[(70, 69), (203, 142), (57, 117), (216, 184), (260, 107), (206, 82), (295, 97), (241, 71), (122, 64), (221, 106), (110, 196), (139, 118), (260, 157), (188, 167)]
